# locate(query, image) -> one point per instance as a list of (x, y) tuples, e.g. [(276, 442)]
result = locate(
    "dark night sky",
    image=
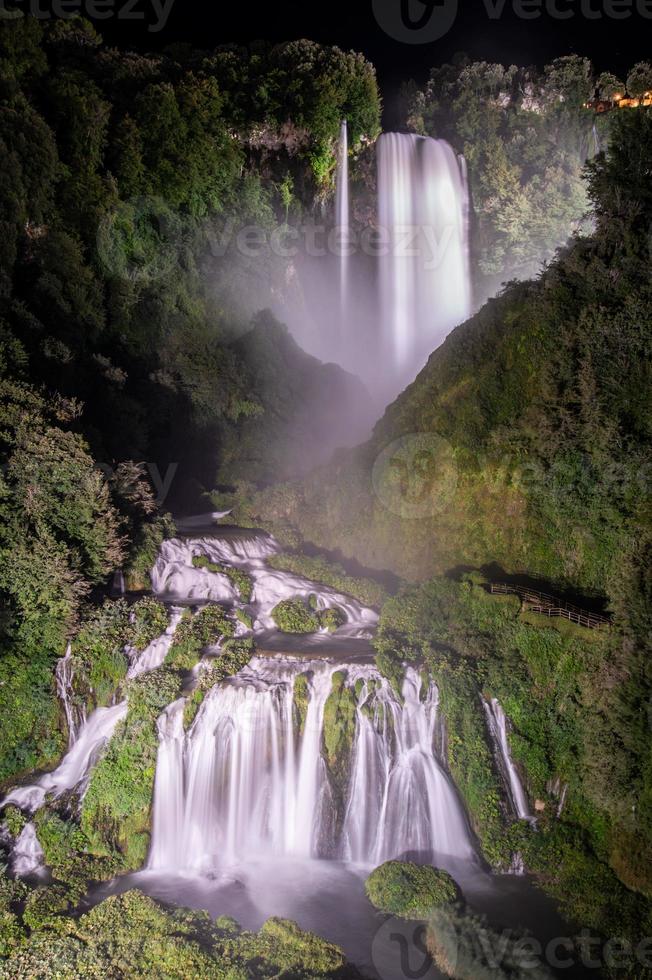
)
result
[(612, 43)]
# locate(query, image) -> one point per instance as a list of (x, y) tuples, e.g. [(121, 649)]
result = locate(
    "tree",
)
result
[(639, 79)]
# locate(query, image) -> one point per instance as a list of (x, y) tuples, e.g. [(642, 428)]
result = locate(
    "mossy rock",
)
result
[(331, 619), (294, 616), (338, 737), (411, 891), (245, 618), (14, 820), (204, 562), (300, 701)]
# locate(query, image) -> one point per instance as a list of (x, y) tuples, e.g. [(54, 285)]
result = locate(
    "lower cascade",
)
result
[(304, 759)]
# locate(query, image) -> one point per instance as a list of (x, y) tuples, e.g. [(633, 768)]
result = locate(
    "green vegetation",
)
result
[(242, 582), (115, 815), (301, 697), (331, 619), (294, 616), (206, 628), (568, 728), (132, 936), (526, 136), (365, 590), (412, 891), (339, 733)]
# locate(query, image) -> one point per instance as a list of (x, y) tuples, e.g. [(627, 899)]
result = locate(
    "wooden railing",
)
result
[(550, 605)]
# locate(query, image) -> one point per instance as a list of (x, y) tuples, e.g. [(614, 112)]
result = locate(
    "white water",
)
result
[(174, 575), (342, 218), (401, 800), (155, 653), (378, 296), (424, 277), (75, 765), (27, 854), (497, 723), (75, 717), (243, 784)]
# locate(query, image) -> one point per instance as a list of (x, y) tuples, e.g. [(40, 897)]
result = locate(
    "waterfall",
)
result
[(118, 587), (75, 717), (424, 274), (399, 792), (175, 576), (75, 765), (497, 723), (27, 854), (342, 217), (248, 781), (155, 653)]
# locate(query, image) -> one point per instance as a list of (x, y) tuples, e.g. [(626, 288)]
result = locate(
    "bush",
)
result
[(293, 616), (331, 619), (411, 891)]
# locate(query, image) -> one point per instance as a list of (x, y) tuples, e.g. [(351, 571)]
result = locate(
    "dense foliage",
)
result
[(412, 891), (131, 936), (117, 172), (574, 733), (525, 135)]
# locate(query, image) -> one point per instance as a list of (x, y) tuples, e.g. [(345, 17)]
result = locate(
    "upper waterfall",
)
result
[(380, 288), (424, 273)]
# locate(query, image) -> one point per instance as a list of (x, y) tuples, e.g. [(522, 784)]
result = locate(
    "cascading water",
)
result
[(400, 289), (342, 217), (497, 723), (400, 797), (155, 653), (424, 275), (27, 854), (75, 716), (75, 765), (174, 576), (249, 780)]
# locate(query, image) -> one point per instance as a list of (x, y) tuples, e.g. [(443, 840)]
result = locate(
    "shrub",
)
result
[(293, 616), (411, 891), (331, 619)]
